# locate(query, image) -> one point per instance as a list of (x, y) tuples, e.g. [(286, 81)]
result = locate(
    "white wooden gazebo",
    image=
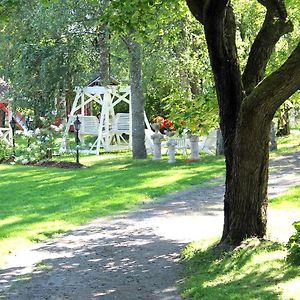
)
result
[(112, 129)]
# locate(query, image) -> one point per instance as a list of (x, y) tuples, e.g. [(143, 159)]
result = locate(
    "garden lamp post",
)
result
[(29, 122), (77, 124), (13, 128)]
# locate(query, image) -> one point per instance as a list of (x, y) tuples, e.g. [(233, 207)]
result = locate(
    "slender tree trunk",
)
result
[(137, 99), (104, 53), (283, 124), (102, 41), (273, 143)]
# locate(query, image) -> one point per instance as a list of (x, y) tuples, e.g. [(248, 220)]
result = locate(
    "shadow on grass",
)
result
[(255, 271), (54, 197)]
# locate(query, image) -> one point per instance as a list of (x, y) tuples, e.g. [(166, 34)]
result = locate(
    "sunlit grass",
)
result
[(290, 200), (256, 270), (288, 143), (39, 202)]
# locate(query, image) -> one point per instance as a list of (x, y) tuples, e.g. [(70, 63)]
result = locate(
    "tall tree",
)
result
[(138, 100), (135, 21), (47, 53), (247, 104), (102, 42)]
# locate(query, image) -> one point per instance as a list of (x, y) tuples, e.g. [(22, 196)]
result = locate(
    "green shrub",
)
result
[(5, 151), (294, 244), (39, 144)]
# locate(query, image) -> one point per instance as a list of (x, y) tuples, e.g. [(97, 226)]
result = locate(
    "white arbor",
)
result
[(108, 126)]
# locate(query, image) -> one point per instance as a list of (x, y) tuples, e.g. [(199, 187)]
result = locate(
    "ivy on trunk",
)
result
[(247, 103)]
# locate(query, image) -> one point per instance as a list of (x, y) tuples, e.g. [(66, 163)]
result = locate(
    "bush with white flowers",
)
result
[(41, 143)]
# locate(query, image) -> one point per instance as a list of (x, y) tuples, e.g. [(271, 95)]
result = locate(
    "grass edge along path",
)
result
[(255, 270), (38, 203)]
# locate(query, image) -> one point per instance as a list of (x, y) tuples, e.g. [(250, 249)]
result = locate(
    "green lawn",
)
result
[(39, 202), (256, 270), (288, 143), (290, 200)]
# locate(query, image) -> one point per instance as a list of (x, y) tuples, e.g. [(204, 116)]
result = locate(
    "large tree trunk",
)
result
[(246, 107), (137, 99), (245, 213)]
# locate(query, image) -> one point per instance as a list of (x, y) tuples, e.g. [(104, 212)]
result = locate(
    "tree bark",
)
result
[(283, 127), (102, 41), (272, 29), (137, 99), (104, 54), (247, 105)]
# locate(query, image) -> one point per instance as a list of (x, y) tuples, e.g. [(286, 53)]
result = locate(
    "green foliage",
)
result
[(39, 144), (197, 115), (141, 19), (255, 270), (45, 54), (249, 18), (5, 151), (49, 46), (178, 79), (294, 244)]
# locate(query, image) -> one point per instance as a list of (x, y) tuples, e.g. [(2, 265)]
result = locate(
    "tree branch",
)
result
[(275, 25), (197, 9), (275, 89), (220, 29)]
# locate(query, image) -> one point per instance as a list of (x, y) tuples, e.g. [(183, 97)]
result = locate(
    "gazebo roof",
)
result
[(98, 82)]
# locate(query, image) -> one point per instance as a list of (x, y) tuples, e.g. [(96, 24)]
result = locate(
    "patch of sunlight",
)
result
[(224, 279), (291, 288), (9, 220), (76, 193), (289, 200), (51, 225), (265, 257), (58, 179), (161, 181), (265, 262), (93, 159), (215, 206), (10, 245), (189, 251)]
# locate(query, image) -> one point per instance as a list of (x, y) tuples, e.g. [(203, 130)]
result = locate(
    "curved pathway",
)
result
[(133, 256)]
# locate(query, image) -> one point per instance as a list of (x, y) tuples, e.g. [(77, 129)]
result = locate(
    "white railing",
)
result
[(5, 135)]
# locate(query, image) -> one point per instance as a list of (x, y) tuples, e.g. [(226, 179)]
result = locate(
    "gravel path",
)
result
[(133, 256)]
